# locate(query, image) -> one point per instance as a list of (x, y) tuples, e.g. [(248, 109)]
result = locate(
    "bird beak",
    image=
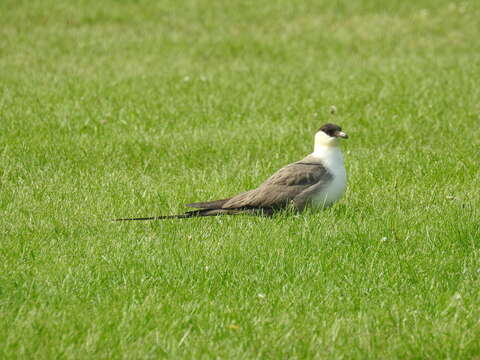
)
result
[(341, 134)]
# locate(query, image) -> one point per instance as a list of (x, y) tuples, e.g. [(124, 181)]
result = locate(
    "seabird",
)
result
[(318, 180)]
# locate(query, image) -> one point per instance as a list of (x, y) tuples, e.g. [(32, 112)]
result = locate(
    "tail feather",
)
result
[(188, 214), (181, 216), (204, 212)]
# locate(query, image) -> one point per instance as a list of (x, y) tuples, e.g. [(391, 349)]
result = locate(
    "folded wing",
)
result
[(294, 183)]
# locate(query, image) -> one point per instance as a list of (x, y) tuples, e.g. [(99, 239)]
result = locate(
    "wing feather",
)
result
[(215, 204), (282, 187)]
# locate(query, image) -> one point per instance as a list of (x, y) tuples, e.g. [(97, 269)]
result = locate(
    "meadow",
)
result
[(134, 108)]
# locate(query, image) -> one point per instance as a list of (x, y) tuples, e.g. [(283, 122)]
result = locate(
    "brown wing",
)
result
[(287, 184), (215, 204)]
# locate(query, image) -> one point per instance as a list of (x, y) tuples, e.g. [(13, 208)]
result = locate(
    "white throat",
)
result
[(323, 140), (328, 152)]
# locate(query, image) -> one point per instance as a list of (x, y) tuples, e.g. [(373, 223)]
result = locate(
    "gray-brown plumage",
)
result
[(298, 184), (292, 183)]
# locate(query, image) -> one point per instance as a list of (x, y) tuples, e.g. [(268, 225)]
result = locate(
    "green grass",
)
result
[(132, 108)]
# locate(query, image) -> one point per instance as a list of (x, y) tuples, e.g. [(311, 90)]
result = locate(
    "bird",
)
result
[(317, 181)]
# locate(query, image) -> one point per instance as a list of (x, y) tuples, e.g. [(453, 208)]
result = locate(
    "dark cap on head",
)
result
[(333, 130)]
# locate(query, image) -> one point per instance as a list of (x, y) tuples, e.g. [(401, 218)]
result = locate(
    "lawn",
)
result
[(134, 108)]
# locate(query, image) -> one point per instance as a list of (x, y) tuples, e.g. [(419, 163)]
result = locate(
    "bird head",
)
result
[(329, 135)]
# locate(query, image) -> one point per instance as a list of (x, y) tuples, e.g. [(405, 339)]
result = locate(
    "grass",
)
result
[(132, 108)]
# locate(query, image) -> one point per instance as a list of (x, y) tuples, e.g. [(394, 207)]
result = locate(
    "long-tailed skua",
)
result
[(318, 180)]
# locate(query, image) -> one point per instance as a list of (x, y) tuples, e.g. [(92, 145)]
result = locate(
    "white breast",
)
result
[(332, 159)]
